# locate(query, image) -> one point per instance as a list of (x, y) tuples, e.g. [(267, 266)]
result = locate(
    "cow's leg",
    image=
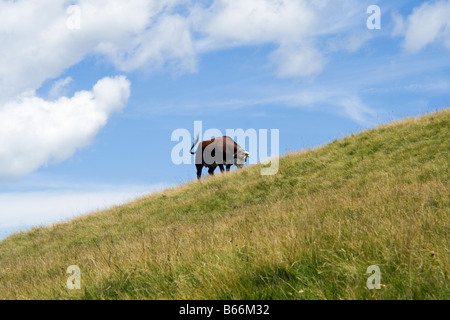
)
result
[(221, 168), (199, 170), (211, 170), (228, 167)]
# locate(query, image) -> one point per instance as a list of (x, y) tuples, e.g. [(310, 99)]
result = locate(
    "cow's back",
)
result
[(219, 150)]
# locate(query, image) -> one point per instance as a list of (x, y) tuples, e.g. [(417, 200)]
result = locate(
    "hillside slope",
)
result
[(380, 197)]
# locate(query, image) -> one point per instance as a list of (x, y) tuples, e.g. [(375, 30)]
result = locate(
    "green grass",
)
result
[(380, 197)]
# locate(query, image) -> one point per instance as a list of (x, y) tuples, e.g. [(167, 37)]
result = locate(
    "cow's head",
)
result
[(241, 157)]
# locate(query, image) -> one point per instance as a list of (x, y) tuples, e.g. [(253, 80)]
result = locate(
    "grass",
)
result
[(380, 197)]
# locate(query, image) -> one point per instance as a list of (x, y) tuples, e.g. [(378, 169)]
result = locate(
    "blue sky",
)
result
[(89, 98)]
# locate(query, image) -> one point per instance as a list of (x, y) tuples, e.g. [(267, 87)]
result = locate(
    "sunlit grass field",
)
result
[(381, 197)]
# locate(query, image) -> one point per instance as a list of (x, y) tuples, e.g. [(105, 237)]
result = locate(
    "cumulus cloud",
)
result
[(428, 24), (40, 41), (293, 26), (228, 23), (37, 43), (34, 131), (254, 21)]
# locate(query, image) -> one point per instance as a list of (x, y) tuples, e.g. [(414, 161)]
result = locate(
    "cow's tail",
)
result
[(195, 142)]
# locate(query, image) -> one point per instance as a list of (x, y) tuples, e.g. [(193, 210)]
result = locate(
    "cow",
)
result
[(218, 152)]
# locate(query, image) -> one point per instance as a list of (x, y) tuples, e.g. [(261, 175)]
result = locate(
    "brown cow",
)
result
[(218, 152)]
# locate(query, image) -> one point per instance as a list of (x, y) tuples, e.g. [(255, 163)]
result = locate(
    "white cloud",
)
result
[(357, 110), (294, 60), (24, 209), (34, 131), (350, 43), (294, 26), (428, 24), (168, 43), (37, 45), (255, 21), (252, 22), (347, 104), (57, 90), (399, 24)]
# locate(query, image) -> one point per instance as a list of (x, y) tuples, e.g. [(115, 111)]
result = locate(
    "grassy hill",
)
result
[(380, 197)]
